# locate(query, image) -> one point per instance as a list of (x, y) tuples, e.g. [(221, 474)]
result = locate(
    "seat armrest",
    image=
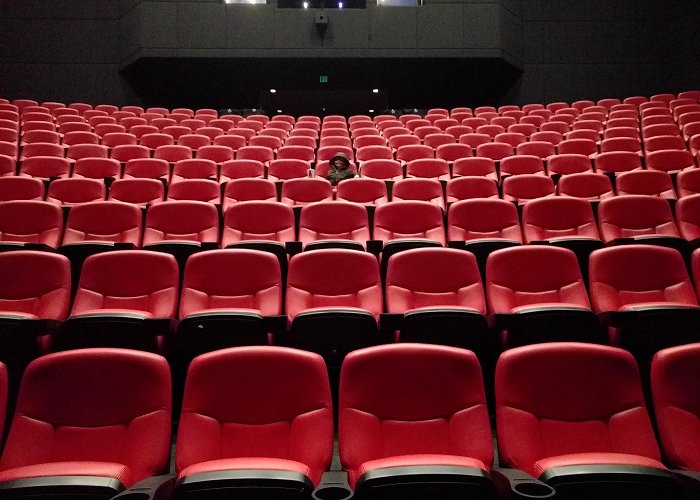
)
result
[(333, 486), (515, 483), (153, 488), (391, 322)]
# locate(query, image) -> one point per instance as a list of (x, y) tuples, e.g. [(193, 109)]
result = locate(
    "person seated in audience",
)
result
[(339, 169)]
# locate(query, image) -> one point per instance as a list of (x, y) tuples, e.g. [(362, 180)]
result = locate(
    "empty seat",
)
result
[(45, 167), (674, 374), (363, 190), (80, 151), (279, 400), (204, 190), (637, 218), (194, 169), (248, 189), (688, 182), (70, 192), (190, 222), (590, 186), (383, 438), (494, 150), (333, 301), (126, 152), (573, 415), (419, 189), (482, 167), (141, 192), (688, 218), (568, 163), (152, 141), (433, 168), (669, 160), (646, 311), (525, 187), (96, 168), (522, 164), (21, 188), (304, 191), (95, 454), (125, 298), (239, 169), (281, 170), (39, 149), (646, 182), (333, 224), (100, 226), (465, 188), (147, 168), (439, 296), (585, 147), (382, 169), (34, 298), (30, 224), (171, 154), (225, 296), (537, 294), (617, 161)]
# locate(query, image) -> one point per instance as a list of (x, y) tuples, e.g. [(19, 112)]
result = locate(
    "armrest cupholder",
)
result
[(531, 489), (332, 492)]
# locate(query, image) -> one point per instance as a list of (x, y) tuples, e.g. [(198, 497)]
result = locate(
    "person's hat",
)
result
[(341, 156)]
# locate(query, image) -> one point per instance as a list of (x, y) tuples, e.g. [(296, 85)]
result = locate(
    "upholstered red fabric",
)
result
[(558, 217), (635, 215), (409, 219), (675, 375), (621, 276), (533, 275), (36, 284), (430, 277), (181, 220), (567, 403), (334, 220), (104, 221), (418, 188), (333, 278), (97, 412), (483, 219), (259, 407), (26, 221), (688, 217), (258, 220), (412, 404), (134, 280), (231, 280)]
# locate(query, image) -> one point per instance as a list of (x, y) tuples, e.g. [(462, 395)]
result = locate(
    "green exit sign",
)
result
[(323, 79)]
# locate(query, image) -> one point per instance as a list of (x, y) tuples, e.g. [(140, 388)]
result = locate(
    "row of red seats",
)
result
[(412, 421), (633, 217), (332, 300)]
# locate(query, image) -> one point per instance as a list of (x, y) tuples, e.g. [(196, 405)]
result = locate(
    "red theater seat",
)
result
[(123, 438), (27, 224), (334, 224), (573, 415)]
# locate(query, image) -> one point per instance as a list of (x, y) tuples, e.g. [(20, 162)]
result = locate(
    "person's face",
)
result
[(338, 163)]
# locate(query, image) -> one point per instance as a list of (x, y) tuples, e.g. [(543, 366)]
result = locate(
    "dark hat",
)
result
[(341, 156)]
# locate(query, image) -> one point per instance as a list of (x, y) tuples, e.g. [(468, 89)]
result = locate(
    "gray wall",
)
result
[(72, 50)]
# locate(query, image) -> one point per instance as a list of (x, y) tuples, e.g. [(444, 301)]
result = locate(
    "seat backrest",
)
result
[(127, 421), (258, 220), (409, 219), (586, 185), (20, 188), (334, 220), (417, 188), (522, 164), (364, 190), (232, 279), (31, 221), (525, 187), (635, 215), (269, 402), (35, 283), (141, 192), (333, 278), (181, 220), (129, 279), (688, 182), (424, 277), (533, 274), (483, 219), (563, 398), (303, 191), (675, 375), (619, 277), (408, 399), (646, 182), (688, 217), (558, 217), (104, 221), (569, 163)]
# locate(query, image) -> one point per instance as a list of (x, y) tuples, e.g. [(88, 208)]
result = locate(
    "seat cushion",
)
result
[(251, 463), (120, 472), (595, 459), (416, 460)]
